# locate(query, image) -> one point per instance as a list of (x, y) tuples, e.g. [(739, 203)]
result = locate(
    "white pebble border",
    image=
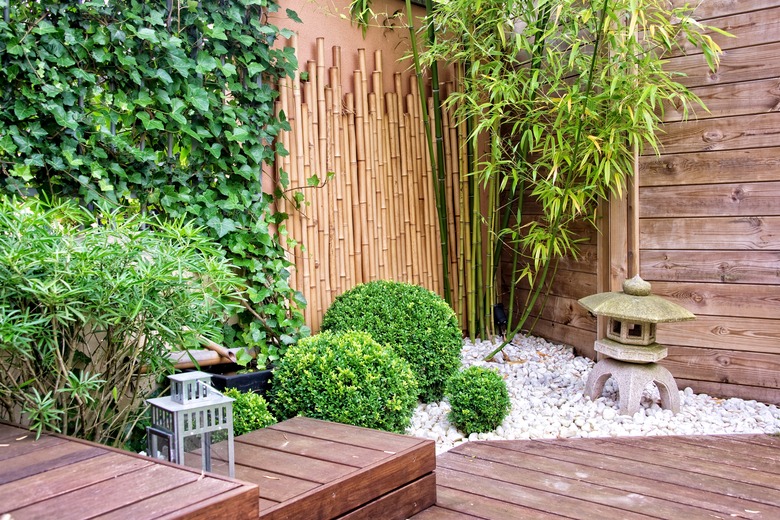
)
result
[(546, 383)]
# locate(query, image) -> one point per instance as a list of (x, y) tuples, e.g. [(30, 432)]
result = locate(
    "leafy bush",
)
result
[(416, 322), (250, 411), (167, 107), (479, 400), (348, 378), (87, 301)]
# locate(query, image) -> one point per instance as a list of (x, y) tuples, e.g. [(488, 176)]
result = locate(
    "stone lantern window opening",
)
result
[(631, 333)]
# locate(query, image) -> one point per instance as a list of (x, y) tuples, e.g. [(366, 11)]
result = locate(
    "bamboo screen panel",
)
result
[(375, 218)]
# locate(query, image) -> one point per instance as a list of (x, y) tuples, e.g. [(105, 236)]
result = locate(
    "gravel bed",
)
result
[(546, 383)]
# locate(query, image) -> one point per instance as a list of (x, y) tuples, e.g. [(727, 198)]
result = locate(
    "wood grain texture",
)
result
[(725, 390), (748, 301), (754, 165), (746, 199), (750, 267), (712, 233), (723, 333), (401, 503), (712, 8), (731, 99), (707, 135), (748, 28), (724, 366), (581, 340), (736, 65)]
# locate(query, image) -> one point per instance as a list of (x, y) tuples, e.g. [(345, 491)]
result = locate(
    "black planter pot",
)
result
[(224, 376)]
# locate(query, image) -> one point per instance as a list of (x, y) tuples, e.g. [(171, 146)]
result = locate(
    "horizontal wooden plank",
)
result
[(466, 504), (725, 133), (745, 199), (565, 311), (238, 503), (648, 488), (726, 390), (749, 29), (743, 483), (275, 487), (20, 445), (295, 466), (348, 434), (736, 65), (726, 166), (312, 447), (399, 504), (713, 8), (710, 233), (109, 495), (46, 459), (750, 301), (531, 489), (443, 513), (723, 333), (724, 366), (754, 267), (348, 492), (194, 493), (26, 491), (730, 99)]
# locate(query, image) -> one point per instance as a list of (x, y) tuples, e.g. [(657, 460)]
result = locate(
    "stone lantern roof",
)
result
[(635, 304)]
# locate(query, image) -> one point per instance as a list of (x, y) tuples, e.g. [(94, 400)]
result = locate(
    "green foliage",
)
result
[(479, 400), (566, 92), (414, 321), (348, 378), (88, 300), (250, 411), (170, 111)]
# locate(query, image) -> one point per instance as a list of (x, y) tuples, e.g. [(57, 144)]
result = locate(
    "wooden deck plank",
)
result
[(290, 464), (399, 504), (753, 482), (628, 483), (276, 487), (706, 449), (346, 434), (317, 448), (733, 476), (41, 460), (624, 503), (360, 487), (169, 503), (108, 496), (239, 503), (28, 490), (17, 448)]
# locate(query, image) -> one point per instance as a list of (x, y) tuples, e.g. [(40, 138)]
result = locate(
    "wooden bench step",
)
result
[(307, 468)]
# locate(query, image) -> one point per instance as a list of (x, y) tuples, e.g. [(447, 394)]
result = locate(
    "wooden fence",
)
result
[(370, 212)]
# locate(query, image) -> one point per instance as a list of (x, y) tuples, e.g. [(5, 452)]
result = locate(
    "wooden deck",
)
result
[(311, 469), (709, 477), (64, 478)]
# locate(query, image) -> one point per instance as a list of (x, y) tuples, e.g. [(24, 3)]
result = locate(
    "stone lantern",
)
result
[(631, 353), (192, 412)]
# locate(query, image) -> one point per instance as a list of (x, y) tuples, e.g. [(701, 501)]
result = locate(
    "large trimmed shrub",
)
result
[(348, 378), (479, 400), (416, 322), (250, 411)]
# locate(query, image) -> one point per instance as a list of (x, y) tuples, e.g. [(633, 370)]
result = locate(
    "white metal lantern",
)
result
[(193, 408)]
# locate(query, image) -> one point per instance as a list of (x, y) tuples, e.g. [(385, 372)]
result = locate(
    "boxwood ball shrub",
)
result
[(479, 400), (250, 411), (348, 378), (416, 322)]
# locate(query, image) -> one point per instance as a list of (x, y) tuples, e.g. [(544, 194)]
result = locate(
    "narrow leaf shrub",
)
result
[(250, 411), (414, 321), (479, 400), (87, 301), (348, 378)]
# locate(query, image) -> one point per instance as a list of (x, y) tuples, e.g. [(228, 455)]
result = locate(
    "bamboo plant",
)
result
[(565, 93)]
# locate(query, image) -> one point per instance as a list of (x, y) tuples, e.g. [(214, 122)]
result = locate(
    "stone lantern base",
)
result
[(631, 379)]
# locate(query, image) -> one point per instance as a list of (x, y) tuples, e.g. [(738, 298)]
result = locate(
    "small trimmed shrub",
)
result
[(250, 411), (479, 400), (416, 322), (348, 378)]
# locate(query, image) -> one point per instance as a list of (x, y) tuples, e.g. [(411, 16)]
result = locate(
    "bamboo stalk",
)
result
[(394, 188), (360, 149), (356, 230), (436, 193)]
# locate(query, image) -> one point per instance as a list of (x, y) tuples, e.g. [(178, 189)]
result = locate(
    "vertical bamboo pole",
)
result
[(362, 179), (394, 188), (450, 165), (354, 190), (434, 216), (374, 193)]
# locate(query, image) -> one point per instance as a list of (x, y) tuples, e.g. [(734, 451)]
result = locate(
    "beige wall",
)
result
[(330, 19)]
